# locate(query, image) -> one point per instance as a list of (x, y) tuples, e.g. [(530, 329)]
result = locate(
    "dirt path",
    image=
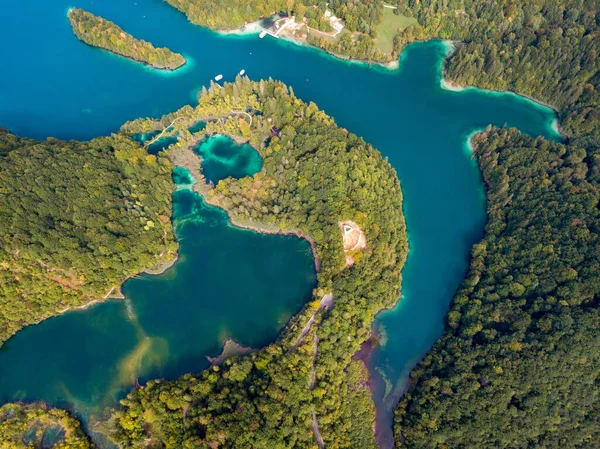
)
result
[(315, 426), (163, 131), (327, 304), (313, 375), (219, 117)]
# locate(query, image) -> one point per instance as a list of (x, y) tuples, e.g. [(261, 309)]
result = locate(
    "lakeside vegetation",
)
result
[(518, 363), (314, 176), (99, 32), (545, 50), (37, 426), (362, 21), (76, 220)]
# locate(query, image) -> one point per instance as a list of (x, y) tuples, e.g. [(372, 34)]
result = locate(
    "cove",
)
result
[(222, 157), (228, 283), (83, 92)]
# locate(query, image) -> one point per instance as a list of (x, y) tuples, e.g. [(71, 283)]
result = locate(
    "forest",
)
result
[(76, 220), (314, 175), (99, 32), (518, 365), (37, 426)]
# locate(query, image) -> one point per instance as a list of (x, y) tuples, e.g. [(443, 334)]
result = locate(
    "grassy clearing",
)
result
[(388, 28)]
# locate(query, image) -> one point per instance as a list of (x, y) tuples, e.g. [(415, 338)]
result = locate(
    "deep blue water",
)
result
[(53, 85)]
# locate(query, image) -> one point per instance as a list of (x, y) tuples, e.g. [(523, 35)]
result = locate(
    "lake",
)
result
[(60, 87), (228, 283)]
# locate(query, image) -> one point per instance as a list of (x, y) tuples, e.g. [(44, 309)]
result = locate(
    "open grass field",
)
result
[(388, 28)]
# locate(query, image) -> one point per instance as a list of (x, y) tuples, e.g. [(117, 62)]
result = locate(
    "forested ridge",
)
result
[(76, 220), (37, 426), (314, 176), (99, 32), (518, 365)]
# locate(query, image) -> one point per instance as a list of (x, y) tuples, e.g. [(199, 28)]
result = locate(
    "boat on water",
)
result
[(242, 72), (218, 77), (262, 34)]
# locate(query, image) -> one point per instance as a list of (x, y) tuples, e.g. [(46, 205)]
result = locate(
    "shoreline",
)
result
[(255, 28), (388, 66), (131, 58), (452, 86), (230, 348), (116, 292), (146, 65), (262, 229)]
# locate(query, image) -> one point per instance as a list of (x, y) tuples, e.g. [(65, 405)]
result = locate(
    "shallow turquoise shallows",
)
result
[(222, 157), (61, 87)]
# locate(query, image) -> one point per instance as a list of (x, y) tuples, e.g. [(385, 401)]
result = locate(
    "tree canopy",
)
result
[(76, 220), (518, 365), (37, 426), (314, 176), (99, 32)]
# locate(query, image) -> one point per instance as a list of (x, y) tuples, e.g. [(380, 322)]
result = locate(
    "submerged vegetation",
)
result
[(102, 33), (314, 176), (35, 425), (518, 365), (76, 220)]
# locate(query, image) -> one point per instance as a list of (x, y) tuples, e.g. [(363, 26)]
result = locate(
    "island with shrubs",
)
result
[(99, 32)]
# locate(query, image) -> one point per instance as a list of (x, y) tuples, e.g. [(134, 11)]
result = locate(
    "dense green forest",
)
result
[(102, 33), (518, 365), (315, 175), (36, 426), (76, 220), (547, 49)]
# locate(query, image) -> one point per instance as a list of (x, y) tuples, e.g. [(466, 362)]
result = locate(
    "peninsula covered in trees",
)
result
[(77, 227), (518, 365), (76, 220), (307, 385), (99, 32)]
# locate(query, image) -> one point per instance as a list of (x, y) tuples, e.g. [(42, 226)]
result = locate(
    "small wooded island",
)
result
[(99, 32)]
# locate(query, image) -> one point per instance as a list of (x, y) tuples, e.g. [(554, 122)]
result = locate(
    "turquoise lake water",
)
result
[(60, 87), (227, 283), (222, 157)]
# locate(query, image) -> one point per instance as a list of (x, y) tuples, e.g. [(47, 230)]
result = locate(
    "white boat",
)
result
[(262, 34), (218, 77), (242, 72)]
